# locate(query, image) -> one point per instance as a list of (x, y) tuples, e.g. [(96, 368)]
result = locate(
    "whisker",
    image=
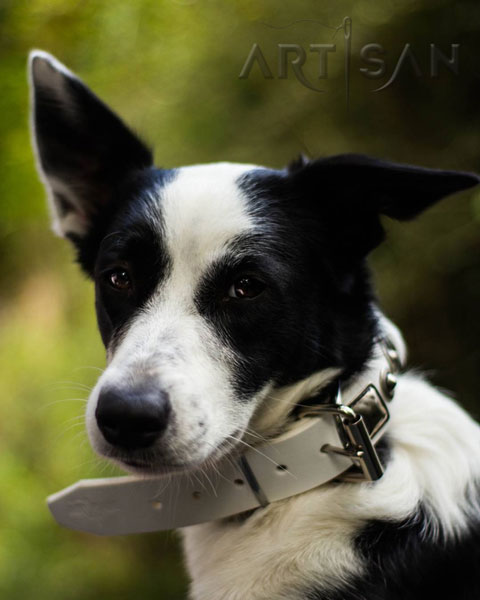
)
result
[(65, 431), (69, 385), (84, 400), (254, 449), (205, 474), (256, 435), (74, 419), (198, 479), (83, 367)]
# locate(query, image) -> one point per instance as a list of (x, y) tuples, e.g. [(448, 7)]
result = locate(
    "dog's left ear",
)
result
[(355, 190), (85, 152)]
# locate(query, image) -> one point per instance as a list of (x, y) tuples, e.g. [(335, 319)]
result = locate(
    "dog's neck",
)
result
[(274, 414)]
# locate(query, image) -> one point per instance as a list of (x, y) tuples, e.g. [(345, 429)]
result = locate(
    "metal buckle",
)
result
[(356, 433)]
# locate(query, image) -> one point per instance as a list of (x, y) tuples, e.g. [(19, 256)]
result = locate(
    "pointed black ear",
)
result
[(84, 150), (350, 192), (397, 190)]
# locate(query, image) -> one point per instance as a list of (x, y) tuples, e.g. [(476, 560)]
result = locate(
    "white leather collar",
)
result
[(321, 446)]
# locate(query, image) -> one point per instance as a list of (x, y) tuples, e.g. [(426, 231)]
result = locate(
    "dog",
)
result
[(228, 297)]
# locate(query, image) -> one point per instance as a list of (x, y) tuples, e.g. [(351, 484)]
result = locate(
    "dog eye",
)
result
[(245, 288), (119, 279)]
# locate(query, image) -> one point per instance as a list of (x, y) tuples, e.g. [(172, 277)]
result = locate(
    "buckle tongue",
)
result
[(358, 425), (360, 449)]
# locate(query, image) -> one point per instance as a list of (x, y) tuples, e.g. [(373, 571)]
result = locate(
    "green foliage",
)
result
[(171, 69)]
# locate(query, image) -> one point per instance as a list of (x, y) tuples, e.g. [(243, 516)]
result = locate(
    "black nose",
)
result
[(132, 418)]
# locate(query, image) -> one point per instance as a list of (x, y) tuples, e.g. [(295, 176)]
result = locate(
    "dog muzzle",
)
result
[(335, 441)]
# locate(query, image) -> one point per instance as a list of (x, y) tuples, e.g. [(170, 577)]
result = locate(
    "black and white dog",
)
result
[(226, 295)]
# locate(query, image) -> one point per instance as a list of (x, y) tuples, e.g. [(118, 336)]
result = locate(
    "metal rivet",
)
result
[(282, 468), (238, 482), (389, 383), (393, 354), (394, 359), (196, 495), (157, 505)]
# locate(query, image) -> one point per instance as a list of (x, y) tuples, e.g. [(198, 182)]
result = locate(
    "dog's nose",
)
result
[(132, 418)]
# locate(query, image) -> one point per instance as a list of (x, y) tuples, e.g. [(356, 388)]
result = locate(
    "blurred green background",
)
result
[(171, 69)]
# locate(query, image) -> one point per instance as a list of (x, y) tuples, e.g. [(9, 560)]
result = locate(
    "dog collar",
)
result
[(327, 442)]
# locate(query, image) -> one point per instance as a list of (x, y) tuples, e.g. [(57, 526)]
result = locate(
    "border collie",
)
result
[(229, 294)]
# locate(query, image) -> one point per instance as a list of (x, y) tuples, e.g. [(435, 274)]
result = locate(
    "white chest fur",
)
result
[(309, 539)]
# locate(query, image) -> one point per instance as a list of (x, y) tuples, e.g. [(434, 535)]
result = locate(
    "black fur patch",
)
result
[(404, 562), (316, 222), (131, 206), (132, 241), (319, 313)]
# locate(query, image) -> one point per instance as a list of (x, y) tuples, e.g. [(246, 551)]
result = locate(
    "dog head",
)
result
[(220, 288)]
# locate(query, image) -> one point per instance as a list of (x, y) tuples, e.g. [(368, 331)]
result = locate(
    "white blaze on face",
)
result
[(202, 210)]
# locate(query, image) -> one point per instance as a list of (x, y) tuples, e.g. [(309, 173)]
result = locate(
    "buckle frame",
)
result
[(357, 433)]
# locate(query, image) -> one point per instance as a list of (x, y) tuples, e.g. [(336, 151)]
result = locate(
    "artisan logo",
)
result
[(291, 58)]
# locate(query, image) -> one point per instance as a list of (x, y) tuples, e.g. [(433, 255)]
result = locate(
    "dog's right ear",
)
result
[(84, 150)]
